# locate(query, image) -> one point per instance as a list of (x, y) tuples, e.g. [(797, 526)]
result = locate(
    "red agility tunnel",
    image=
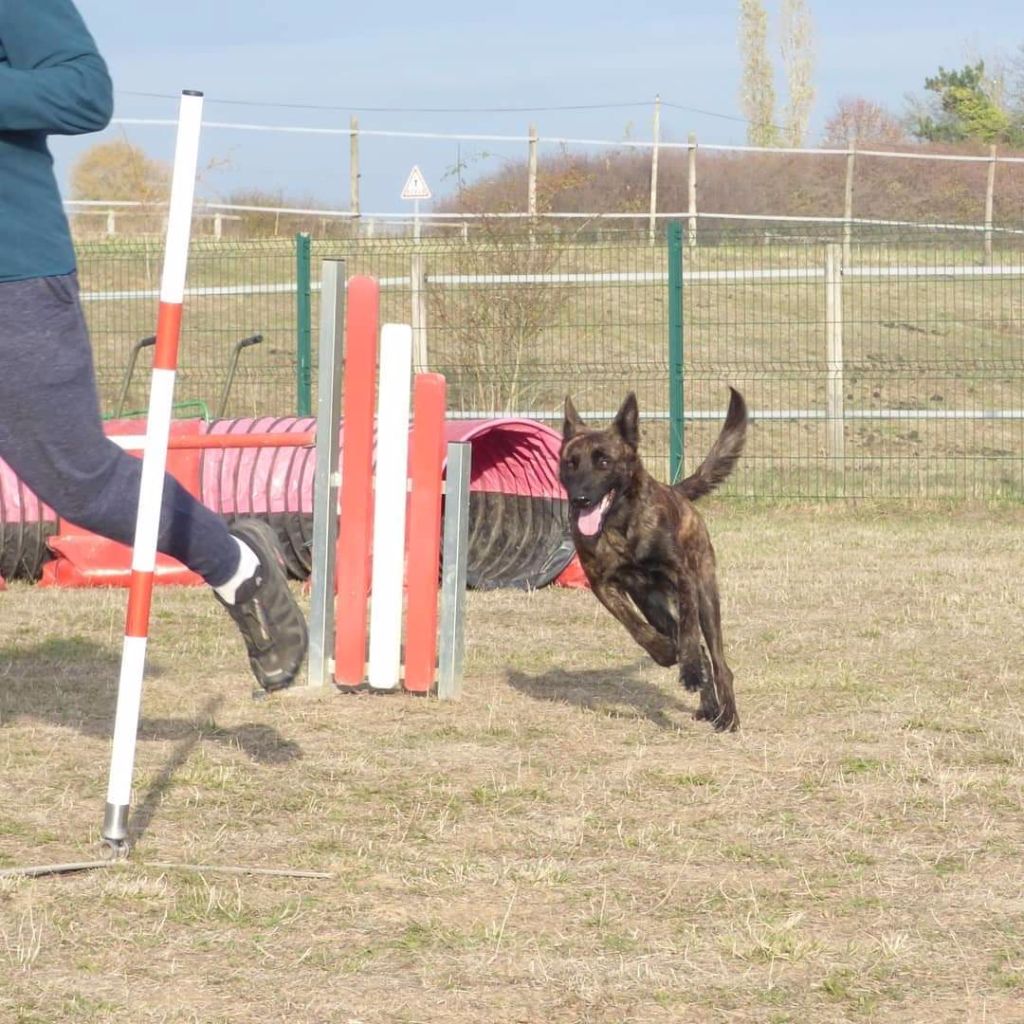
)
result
[(518, 520), (518, 527), (275, 484)]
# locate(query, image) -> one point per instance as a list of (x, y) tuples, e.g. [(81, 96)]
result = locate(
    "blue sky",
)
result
[(462, 56)]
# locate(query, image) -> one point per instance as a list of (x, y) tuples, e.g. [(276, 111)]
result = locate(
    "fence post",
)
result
[(851, 160), (691, 187), (353, 169), (652, 226), (303, 327), (111, 223), (675, 350), (834, 399), (418, 313), (989, 201), (531, 179)]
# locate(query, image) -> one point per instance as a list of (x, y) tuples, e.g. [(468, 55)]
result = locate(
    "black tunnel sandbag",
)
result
[(518, 520), (25, 525), (516, 541), (23, 549)]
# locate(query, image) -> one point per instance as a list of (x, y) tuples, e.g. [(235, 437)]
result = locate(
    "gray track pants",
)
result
[(51, 433)]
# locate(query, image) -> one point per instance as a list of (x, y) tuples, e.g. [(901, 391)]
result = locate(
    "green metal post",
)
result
[(675, 350), (303, 327)]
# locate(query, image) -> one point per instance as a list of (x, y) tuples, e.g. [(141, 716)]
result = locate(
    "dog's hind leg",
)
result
[(717, 699)]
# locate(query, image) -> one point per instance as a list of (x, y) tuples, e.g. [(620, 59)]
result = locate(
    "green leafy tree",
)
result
[(966, 109)]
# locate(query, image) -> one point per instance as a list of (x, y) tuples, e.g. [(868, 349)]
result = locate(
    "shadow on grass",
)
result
[(619, 692), (72, 682)]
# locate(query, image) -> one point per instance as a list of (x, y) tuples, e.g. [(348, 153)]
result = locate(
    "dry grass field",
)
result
[(564, 844)]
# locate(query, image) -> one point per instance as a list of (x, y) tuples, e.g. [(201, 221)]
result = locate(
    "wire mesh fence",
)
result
[(875, 369), (234, 292), (874, 366)]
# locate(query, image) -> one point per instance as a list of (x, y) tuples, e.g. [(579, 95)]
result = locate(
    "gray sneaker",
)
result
[(266, 613)]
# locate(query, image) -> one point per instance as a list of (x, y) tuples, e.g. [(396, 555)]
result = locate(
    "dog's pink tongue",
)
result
[(589, 522)]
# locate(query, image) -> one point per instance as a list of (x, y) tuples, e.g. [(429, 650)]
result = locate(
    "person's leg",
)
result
[(51, 435)]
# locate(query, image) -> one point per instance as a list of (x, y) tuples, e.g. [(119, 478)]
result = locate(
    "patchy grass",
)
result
[(564, 844)]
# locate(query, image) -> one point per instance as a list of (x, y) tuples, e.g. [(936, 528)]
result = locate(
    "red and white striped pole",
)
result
[(423, 557), (355, 527), (154, 462)]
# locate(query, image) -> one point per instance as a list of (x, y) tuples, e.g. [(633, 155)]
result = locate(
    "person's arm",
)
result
[(55, 81)]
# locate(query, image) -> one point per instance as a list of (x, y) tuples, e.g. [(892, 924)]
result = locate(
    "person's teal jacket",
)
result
[(52, 82)]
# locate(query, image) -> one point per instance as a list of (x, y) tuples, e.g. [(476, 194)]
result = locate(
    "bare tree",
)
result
[(757, 89), (861, 120), (797, 45), (490, 337)]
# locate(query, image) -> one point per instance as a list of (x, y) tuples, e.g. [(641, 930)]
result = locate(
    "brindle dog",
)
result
[(645, 548)]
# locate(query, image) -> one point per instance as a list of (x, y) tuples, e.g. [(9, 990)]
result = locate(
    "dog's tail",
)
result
[(723, 455)]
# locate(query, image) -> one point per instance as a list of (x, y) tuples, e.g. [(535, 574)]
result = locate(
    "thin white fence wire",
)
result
[(570, 141)]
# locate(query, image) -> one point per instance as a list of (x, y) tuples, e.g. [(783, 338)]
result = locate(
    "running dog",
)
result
[(646, 551)]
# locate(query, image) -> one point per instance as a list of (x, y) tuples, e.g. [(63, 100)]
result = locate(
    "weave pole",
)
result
[(391, 490), (423, 559), (154, 462), (355, 526)]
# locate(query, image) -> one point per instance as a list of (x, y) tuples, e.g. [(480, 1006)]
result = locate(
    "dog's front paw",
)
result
[(695, 674), (663, 651)]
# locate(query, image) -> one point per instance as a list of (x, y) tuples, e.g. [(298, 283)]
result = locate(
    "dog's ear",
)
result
[(573, 424), (627, 421)]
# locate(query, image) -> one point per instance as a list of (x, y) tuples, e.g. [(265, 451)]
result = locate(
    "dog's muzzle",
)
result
[(590, 517)]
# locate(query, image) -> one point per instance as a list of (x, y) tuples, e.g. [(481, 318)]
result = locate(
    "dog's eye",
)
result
[(602, 460)]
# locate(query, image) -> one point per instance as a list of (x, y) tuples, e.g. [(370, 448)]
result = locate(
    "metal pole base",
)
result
[(115, 824)]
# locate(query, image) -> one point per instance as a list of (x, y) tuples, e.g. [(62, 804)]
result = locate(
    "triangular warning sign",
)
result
[(416, 186)]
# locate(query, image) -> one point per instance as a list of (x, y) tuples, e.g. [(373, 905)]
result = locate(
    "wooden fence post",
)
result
[(531, 181), (353, 169), (652, 226), (989, 202), (691, 180), (851, 161)]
